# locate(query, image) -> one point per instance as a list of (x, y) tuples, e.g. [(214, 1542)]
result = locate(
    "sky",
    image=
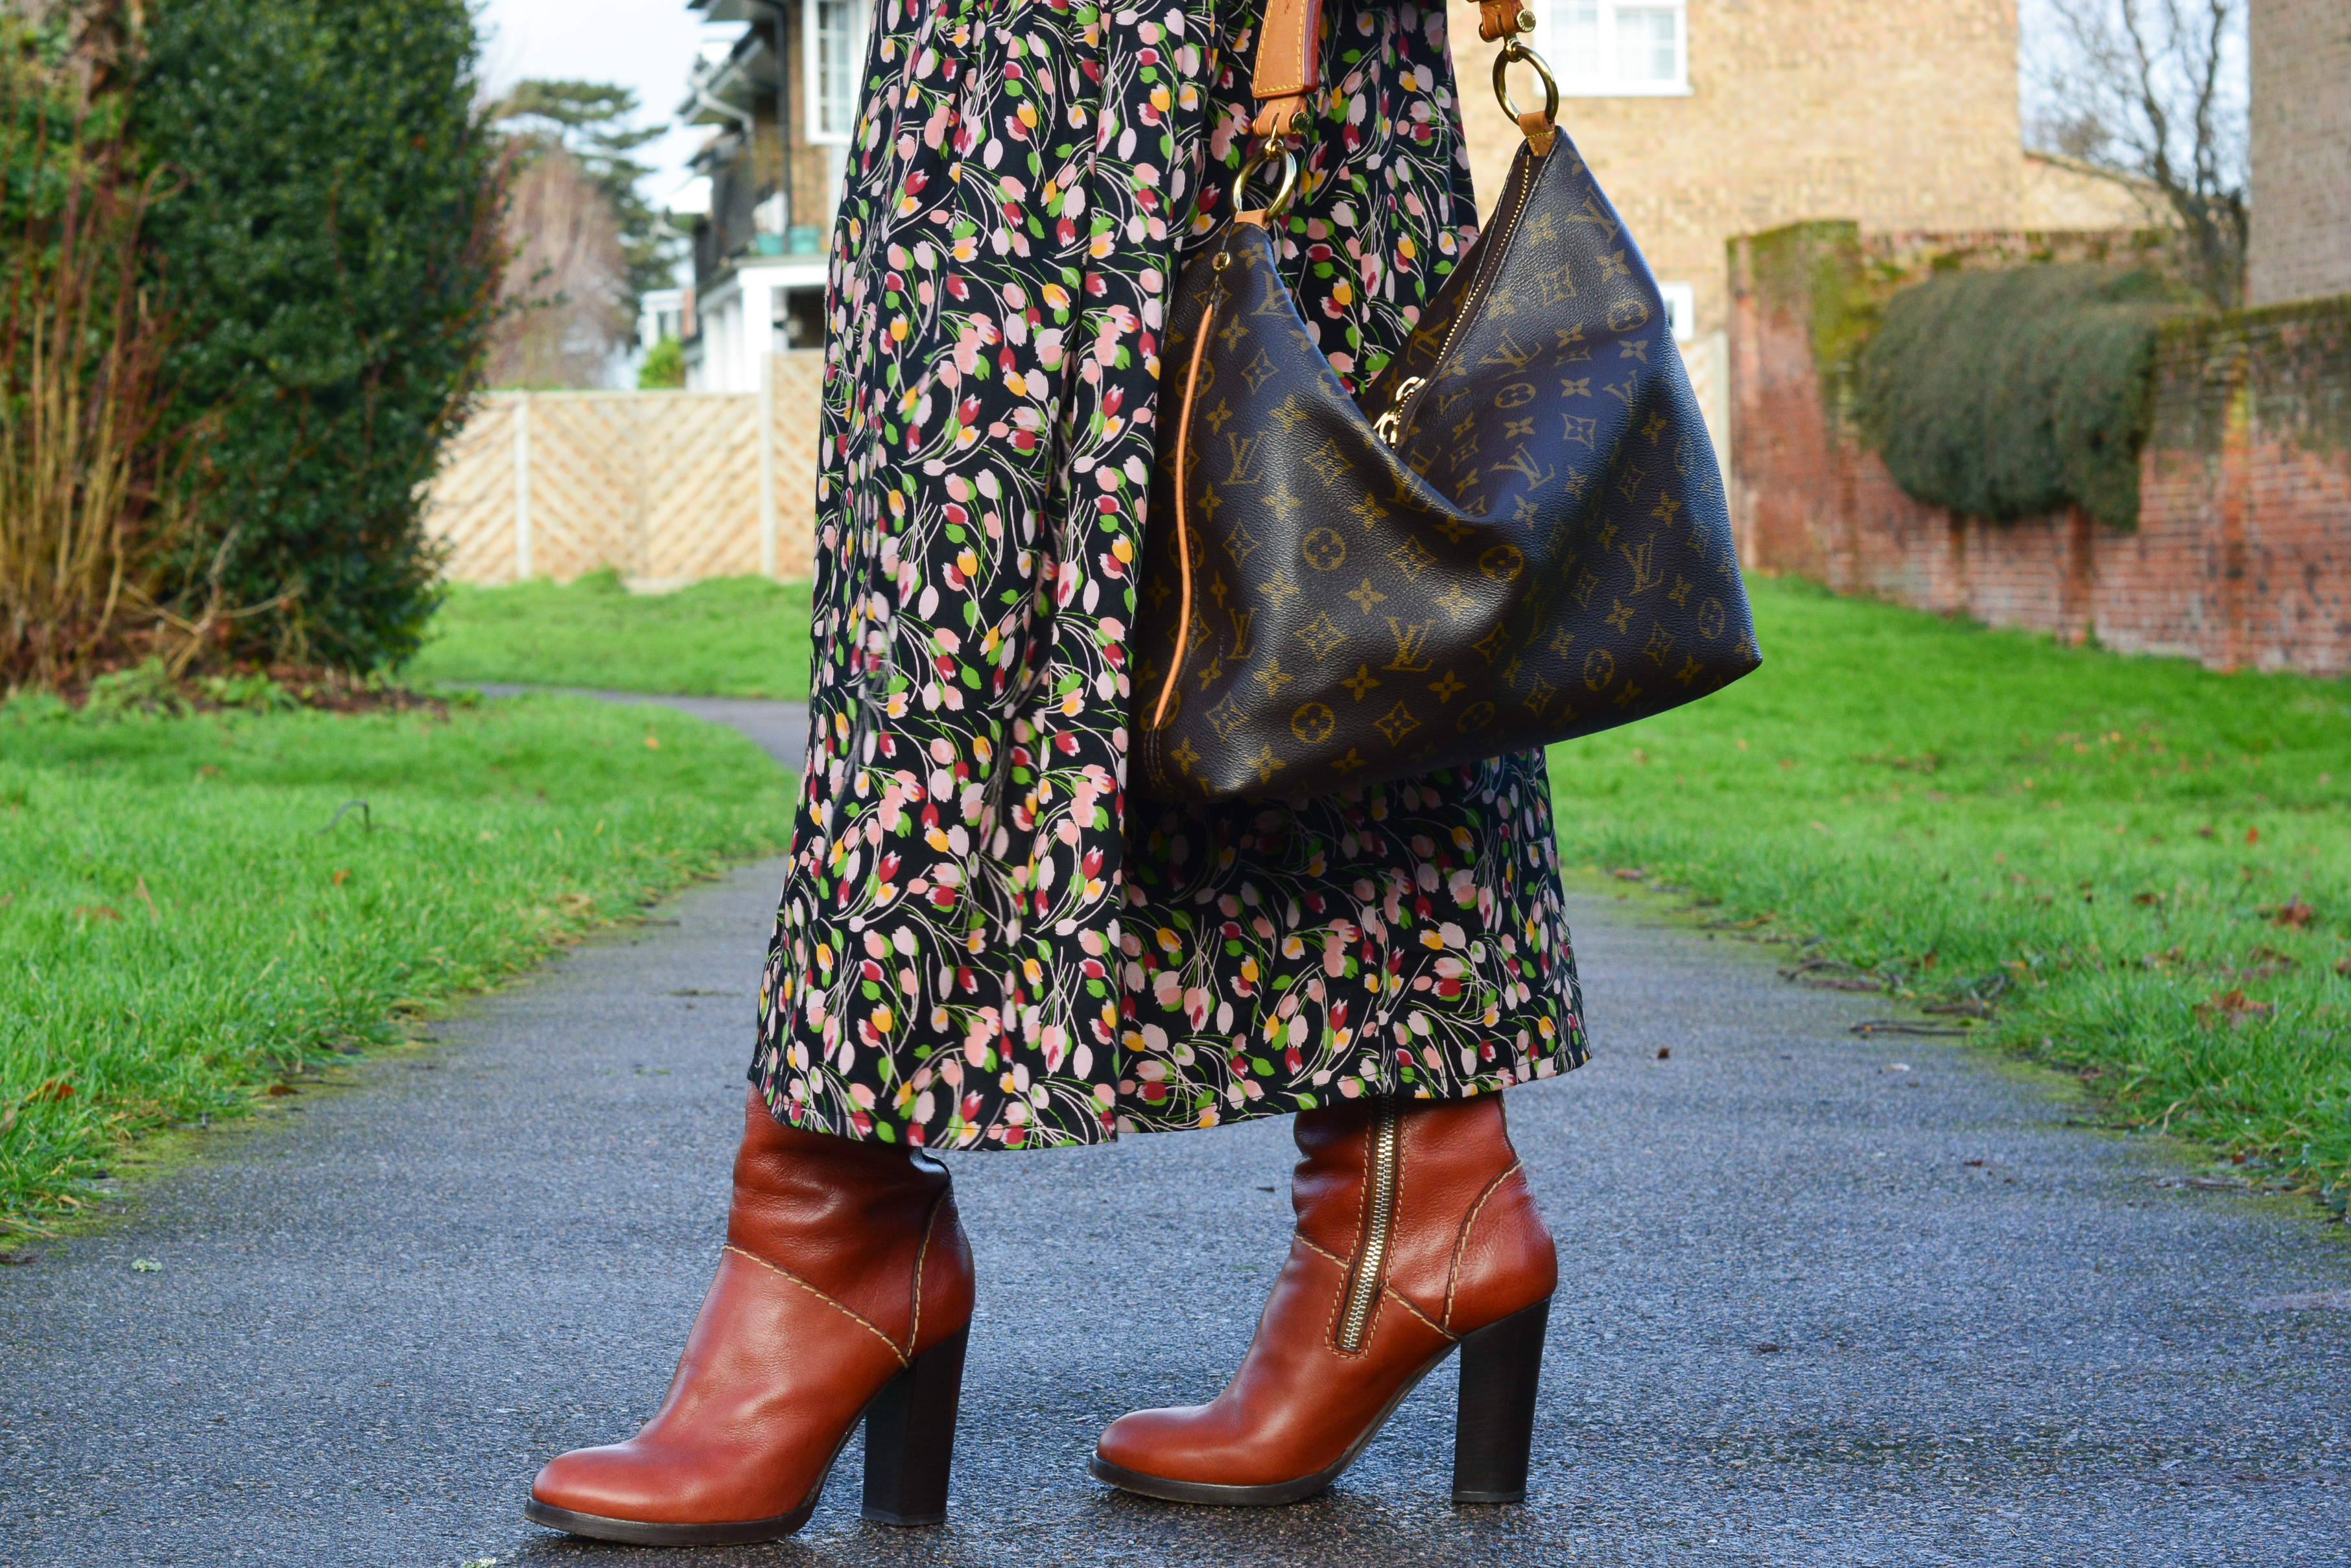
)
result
[(647, 45)]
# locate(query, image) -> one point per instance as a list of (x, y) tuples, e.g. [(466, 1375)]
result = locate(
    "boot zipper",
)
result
[(1392, 425), (1371, 1261)]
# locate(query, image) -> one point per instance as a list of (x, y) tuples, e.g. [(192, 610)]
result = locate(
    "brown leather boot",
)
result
[(844, 1293), (1416, 1233)]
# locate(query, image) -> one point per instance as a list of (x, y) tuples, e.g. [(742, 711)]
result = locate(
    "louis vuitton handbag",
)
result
[(1518, 536)]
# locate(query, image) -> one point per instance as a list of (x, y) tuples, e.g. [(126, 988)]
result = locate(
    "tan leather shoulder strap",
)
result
[(1498, 19), (1288, 67)]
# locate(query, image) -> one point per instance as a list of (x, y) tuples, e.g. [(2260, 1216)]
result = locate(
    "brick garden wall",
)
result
[(2243, 556)]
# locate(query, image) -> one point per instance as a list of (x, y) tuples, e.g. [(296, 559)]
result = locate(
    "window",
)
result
[(1681, 309), (836, 49), (1608, 49)]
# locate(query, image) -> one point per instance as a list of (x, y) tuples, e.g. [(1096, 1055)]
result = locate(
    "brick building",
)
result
[(1710, 119), (780, 101), (2301, 241)]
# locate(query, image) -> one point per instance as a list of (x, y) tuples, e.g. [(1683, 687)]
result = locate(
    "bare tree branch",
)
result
[(2150, 90)]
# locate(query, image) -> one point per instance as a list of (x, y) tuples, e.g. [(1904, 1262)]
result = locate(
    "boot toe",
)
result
[(1137, 1440), (602, 1482), (1186, 1443)]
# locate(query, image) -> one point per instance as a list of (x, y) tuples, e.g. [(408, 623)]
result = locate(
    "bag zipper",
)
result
[(1370, 1260), (1392, 424)]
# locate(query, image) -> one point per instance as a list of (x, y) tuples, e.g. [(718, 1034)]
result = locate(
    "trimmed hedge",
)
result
[(329, 264), (2010, 393)]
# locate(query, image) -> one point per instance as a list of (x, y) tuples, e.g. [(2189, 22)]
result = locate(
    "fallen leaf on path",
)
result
[(1665, 1052), (145, 1266), (274, 1089)]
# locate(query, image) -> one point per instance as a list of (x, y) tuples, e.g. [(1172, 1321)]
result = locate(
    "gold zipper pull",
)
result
[(1384, 1158), (1389, 425)]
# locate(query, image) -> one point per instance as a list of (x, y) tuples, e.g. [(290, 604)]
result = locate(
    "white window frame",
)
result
[(860, 24), (1550, 42), (1681, 309)]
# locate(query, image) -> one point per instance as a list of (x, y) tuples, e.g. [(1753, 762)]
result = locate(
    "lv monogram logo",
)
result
[(1646, 575), (1520, 463), (1248, 456), (1411, 645), (1506, 352), (1592, 213)]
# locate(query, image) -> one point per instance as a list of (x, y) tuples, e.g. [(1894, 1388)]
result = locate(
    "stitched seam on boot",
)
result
[(1339, 1303), (922, 1255), (1388, 1291), (1460, 1242), (903, 1358)]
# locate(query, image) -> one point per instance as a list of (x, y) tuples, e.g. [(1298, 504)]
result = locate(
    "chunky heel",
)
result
[(1494, 1425), (909, 1438)]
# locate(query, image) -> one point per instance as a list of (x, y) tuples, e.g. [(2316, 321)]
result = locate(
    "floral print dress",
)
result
[(983, 941)]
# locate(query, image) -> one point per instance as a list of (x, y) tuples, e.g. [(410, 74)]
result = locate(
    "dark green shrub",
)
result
[(330, 262), (2008, 393)]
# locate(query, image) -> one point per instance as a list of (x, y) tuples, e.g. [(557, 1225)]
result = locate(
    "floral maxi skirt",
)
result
[(983, 941)]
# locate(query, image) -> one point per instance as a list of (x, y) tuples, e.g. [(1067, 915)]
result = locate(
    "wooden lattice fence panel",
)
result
[(702, 486), (798, 400), (470, 510), (667, 487), (586, 497)]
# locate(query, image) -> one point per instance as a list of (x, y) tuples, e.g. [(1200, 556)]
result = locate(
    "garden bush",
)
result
[(2010, 393), (329, 260)]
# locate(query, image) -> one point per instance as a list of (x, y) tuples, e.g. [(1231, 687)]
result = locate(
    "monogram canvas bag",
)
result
[(1518, 536)]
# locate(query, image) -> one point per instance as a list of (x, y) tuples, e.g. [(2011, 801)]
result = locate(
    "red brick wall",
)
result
[(2243, 556)]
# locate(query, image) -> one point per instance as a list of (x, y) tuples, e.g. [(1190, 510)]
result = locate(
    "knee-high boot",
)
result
[(844, 1293), (1417, 1235)]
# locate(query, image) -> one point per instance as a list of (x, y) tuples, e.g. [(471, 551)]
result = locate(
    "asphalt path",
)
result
[(1827, 1299)]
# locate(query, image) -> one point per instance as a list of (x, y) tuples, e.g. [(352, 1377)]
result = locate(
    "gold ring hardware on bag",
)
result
[(1282, 192), (1514, 51)]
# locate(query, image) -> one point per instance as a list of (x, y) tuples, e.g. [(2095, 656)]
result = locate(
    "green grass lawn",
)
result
[(191, 910), (2136, 867), (730, 637)]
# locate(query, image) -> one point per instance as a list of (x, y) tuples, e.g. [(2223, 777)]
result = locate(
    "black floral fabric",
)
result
[(983, 941)]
